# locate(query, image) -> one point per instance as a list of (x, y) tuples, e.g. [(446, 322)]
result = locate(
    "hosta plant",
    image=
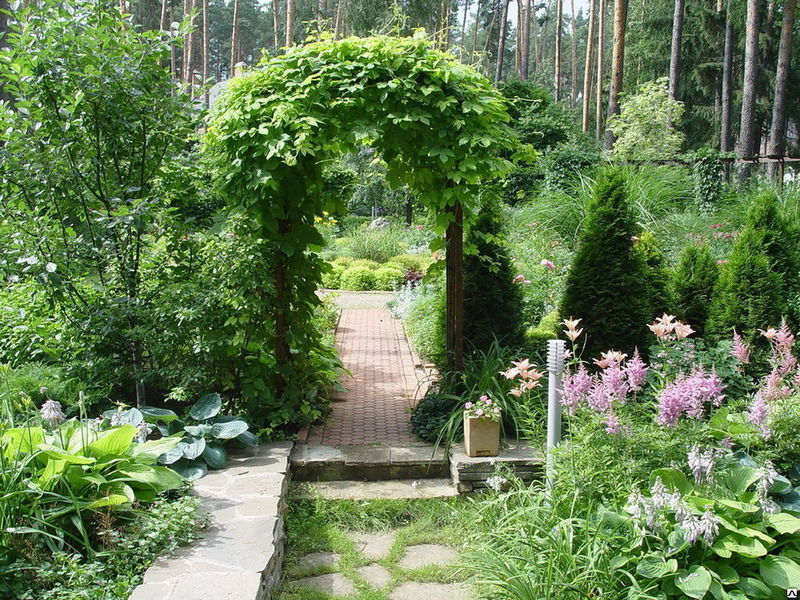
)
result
[(729, 531), (205, 433)]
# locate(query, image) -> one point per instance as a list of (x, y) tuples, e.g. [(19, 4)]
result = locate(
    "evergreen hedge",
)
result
[(693, 286)]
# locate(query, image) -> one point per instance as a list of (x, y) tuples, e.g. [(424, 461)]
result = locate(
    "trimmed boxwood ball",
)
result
[(365, 262), (407, 262), (332, 279), (387, 278), (607, 282), (358, 279)]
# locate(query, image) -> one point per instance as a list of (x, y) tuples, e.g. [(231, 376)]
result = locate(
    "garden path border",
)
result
[(241, 554)]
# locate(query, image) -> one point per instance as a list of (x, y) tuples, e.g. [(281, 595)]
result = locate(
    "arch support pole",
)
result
[(454, 272)]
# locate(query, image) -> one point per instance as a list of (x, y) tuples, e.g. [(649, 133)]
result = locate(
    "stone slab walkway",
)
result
[(240, 556), (383, 387)]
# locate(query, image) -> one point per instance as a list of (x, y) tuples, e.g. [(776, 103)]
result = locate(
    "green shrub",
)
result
[(332, 278), (31, 384), (409, 262), (378, 244), (748, 295), (564, 166), (343, 261), (387, 278), (536, 338), (358, 279), (431, 415), (606, 285), (656, 274), (693, 286), (492, 301), (425, 323), (363, 262), (708, 177)]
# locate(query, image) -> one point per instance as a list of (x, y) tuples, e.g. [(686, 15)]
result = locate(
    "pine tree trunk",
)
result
[(205, 52), (777, 131), (501, 44), (557, 61), (162, 21), (588, 67), (748, 117), (475, 32), (573, 76), (526, 48), (617, 64), (173, 54), (518, 45), (185, 49), (337, 30), (675, 54), (190, 50), (462, 40), (234, 39), (726, 100), (276, 24), (601, 68), (289, 23), (3, 43)]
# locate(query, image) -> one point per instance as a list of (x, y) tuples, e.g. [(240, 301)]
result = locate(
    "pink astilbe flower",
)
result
[(758, 415), (575, 387), (740, 351), (547, 264), (688, 396), (636, 372), (612, 424)]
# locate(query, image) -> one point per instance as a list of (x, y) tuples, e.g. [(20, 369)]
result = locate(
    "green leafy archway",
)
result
[(439, 125)]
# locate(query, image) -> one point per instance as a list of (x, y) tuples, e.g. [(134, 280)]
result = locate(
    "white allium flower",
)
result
[(51, 412)]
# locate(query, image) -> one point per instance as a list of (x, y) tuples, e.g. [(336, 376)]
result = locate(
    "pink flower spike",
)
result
[(548, 264), (740, 350)]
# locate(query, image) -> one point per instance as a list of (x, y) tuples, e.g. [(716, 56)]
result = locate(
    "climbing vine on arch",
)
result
[(439, 125)]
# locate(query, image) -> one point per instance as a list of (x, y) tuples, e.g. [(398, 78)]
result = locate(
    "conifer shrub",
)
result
[(388, 278), (749, 294), (607, 282), (492, 301), (693, 284), (358, 279), (656, 273)]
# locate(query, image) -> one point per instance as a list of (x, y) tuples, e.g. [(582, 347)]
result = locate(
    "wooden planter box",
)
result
[(481, 436)]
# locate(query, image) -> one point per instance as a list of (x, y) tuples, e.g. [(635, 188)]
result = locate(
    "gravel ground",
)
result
[(355, 300)]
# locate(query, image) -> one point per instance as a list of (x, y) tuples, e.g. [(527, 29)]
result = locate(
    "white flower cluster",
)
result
[(702, 463), (766, 478)]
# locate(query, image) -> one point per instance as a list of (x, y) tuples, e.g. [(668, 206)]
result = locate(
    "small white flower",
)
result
[(50, 267), (143, 429), (51, 412)]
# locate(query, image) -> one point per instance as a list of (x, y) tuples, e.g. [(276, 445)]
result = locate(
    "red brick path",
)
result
[(375, 409)]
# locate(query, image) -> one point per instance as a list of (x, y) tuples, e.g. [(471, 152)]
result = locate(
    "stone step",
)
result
[(375, 490), (368, 462)]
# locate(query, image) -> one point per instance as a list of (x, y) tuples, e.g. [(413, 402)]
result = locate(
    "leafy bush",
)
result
[(645, 127), (708, 177), (430, 416), (655, 272), (424, 322), (489, 284), (693, 286), (363, 262), (388, 278), (358, 278), (158, 530), (332, 278), (564, 166), (548, 329), (408, 262), (204, 434), (606, 285), (378, 244), (31, 384)]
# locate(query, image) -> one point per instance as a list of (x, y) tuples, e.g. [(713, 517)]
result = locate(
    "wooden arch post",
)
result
[(454, 272)]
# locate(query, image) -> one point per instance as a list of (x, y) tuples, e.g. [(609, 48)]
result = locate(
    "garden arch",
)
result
[(439, 125)]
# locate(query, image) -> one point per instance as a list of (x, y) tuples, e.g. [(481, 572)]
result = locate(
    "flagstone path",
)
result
[(385, 381)]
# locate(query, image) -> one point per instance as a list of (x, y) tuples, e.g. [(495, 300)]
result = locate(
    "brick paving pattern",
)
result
[(375, 408)]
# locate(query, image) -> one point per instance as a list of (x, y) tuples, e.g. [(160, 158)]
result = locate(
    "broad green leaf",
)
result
[(783, 522), (57, 453), (198, 430), (208, 406), (733, 543), (153, 414), (673, 479), (780, 571), (248, 438), (739, 479), (22, 440), (653, 567), (695, 583), (215, 456), (753, 588), (111, 500), (191, 470), (229, 430), (172, 455), (160, 479), (156, 448), (192, 447), (726, 573), (116, 441)]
